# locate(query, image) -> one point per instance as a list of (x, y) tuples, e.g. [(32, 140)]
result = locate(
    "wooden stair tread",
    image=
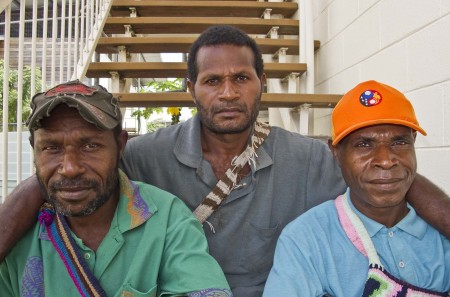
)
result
[(175, 69), (165, 22), (202, 8), (184, 99), (110, 45), (196, 25)]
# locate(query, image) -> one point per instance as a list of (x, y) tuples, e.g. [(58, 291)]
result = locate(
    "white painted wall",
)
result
[(403, 43)]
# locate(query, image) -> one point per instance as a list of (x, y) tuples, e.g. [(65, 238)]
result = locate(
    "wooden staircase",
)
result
[(170, 26)]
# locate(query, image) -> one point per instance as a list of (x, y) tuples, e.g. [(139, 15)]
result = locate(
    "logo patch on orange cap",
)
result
[(370, 98)]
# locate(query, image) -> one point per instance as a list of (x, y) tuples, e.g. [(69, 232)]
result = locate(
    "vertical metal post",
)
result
[(69, 42), (309, 24), (5, 102), (306, 55), (62, 39), (77, 39), (33, 48), (54, 36), (44, 46), (33, 68), (82, 32), (115, 81), (90, 17), (304, 119), (20, 92), (306, 45)]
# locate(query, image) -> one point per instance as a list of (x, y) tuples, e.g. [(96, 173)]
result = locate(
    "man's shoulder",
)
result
[(318, 217), (281, 142), (152, 194), (157, 199), (160, 137), (282, 136)]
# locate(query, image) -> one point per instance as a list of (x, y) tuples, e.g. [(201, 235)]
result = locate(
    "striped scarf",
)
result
[(59, 233), (224, 186)]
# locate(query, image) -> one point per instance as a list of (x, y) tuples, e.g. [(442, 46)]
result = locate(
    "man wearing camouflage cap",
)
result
[(369, 241), (101, 234)]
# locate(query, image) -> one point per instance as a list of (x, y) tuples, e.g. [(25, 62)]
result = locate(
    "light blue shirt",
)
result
[(314, 256)]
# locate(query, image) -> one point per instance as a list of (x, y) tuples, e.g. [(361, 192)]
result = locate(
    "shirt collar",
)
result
[(411, 223), (188, 146), (132, 210)]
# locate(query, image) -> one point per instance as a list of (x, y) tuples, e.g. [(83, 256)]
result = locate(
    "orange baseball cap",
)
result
[(371, 103)]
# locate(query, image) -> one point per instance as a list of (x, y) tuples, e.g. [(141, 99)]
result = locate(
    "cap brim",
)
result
[(89, 112), (349, 130)]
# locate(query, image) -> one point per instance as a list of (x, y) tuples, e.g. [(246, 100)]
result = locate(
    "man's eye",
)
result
[(50, 148), (400, 142), (242, 78), (212, 81), (91, 146), (362, 144)]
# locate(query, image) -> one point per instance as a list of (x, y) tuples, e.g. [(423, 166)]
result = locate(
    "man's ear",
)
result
[(122, 140), (333, 149), (263, 81), (191, 88)]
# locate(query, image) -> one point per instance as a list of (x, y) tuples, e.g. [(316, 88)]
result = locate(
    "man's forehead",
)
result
[(71, 132), (64, 115), (224, 62), (382, 131), (210, 52)]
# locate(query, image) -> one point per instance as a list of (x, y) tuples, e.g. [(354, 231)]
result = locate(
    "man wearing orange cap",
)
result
[(369, 241)]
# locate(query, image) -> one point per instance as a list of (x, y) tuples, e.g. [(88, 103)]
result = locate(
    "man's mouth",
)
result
[(72, 193)]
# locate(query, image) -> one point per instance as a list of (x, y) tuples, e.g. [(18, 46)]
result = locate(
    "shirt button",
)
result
[(401, 264), (391, 234), (87, 256)]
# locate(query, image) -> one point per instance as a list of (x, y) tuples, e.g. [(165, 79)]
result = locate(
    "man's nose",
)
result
[(229, 90), (70, 164), (384, 157)]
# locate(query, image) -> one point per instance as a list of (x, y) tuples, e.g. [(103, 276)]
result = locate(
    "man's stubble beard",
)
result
[(112, 182), (206, 116)]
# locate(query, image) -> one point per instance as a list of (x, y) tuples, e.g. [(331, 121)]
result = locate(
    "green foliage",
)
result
[(13, 92), (146, 112), (165, 86), (155, 87)]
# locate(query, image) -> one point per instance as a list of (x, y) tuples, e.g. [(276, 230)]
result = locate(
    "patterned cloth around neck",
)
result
[(224, 186), (59, 233)]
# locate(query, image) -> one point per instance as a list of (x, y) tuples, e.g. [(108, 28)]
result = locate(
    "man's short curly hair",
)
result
[(219, 35)]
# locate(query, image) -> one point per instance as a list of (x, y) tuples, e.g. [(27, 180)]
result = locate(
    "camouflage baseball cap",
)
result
[(95, 104)]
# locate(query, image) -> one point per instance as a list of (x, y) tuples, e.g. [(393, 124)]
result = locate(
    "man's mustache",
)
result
[(65, 183)]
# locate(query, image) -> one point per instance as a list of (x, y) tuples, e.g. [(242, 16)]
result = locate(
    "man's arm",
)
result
[(18, 213), (431, 203)]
